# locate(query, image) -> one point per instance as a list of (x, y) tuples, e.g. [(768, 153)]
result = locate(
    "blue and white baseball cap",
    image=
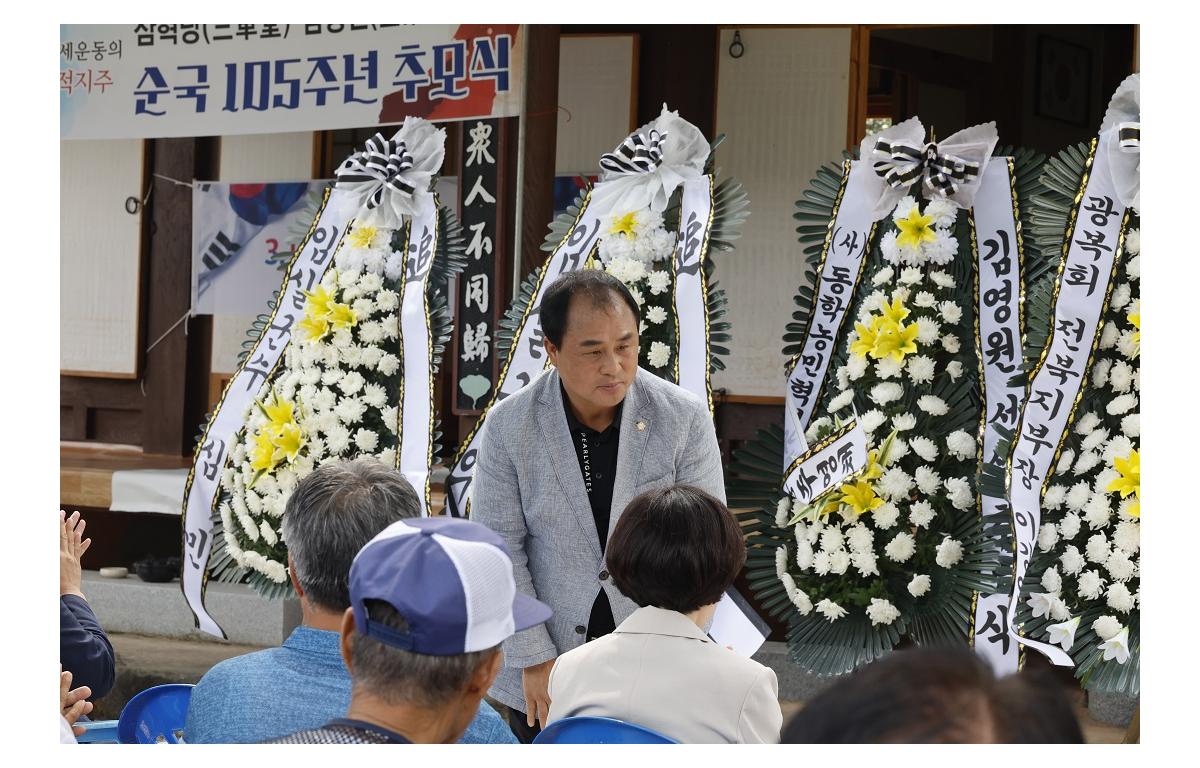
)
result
[(451, 580)]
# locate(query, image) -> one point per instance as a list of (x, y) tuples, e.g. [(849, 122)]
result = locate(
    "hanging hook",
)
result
[(736, 49)]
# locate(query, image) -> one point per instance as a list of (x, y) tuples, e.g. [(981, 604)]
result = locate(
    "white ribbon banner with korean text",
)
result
[(1093, 243), (200, 494), (416, 420)]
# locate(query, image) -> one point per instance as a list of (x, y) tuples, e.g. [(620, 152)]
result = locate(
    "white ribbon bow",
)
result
[(897, 157), (392, 178), (648, 166), (1122, 123)]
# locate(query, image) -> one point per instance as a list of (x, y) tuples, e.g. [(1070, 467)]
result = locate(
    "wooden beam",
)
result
[(860, 77), (541, 141)]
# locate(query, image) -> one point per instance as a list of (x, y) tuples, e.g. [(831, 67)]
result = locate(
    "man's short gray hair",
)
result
[(400, 677), (332, 514)]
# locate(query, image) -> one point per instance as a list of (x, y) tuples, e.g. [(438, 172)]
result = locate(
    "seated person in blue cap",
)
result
[(330, 515), (431, 600)]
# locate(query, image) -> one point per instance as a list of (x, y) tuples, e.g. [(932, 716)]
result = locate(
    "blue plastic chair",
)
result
[(98, 732), (156, 715), (598, 730)]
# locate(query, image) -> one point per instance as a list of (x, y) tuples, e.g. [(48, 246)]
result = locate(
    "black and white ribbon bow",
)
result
[(900, 163), (382, 163), (637, 154), (1130, 136)]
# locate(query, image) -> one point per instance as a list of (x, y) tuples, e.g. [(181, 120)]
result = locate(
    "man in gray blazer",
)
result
[(560, 460)]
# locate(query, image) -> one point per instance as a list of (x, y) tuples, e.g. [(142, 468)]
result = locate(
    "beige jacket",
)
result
[(661, 671)]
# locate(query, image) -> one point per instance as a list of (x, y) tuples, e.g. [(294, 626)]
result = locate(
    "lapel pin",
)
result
[(641, 426)]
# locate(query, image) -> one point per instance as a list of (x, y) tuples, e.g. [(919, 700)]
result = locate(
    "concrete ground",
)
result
[(143, 662)]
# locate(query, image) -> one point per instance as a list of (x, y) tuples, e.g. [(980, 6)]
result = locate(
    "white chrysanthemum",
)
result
[(928, 330), (831, 539), (886, 392), (1119, 598), (960, 493), (1119, 566), (888, 367), (656, 315), (1120, 296), (904, 208), (895, 484), (637, 295), (910, 276), (1097, 549), (873, 302), (1128, 536), (821, 563), (961, 444), (942, 249), (366, 440), (1118, 447), (1133, 268), (949, 552), (387, 457), (1069, 526), (942, 211), (843, 400), (925, 299), (1127, 344), (885, 515), (830, 610), (882, 612), (1098, 511), (627, 270), (1051, 580), (941, 279), (890, 248), (919, 585), (350, 410), (899, 451), (839, 562), (856, 367), (1109, 335), (933, 405), (1072, 560), (374, 395), (904, 422), (1107, 627), (882, 277), (1078, 496), (783, 511), (1121, 404), (1100, 372), (1133, 243), (658, 281), (1055, 496), (659, 355), (1088, 460), (1131, 425), (955, 369), (920, 369), (950, 312), (950, 343), (270, 538), (388, 364), (332, 376), (1120, 376), (928, 481), (1047, 537), (864, 563), (781, 561), (925, 448), (872, 420), (1094, 439), (351, 383), (859, 538), (804, 553), (901, 548), (1065, 460), (337, 440), (798, 597)]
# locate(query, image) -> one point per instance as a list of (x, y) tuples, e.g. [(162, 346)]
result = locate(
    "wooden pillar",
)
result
[(860, 78), (541, 141)]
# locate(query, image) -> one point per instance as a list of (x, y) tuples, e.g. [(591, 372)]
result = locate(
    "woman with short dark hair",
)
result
[(674, 552)]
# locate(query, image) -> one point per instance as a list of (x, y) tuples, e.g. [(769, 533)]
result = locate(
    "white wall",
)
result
[(258, 157), (99, 248), (595, 85), (784, 107)]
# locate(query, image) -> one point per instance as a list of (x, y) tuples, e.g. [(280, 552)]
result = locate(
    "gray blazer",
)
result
[(529, 490)]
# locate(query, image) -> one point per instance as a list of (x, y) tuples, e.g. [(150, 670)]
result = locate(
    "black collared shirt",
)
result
[(597, 455)]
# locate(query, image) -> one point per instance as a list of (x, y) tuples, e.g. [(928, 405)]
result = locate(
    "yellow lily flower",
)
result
[(318, 303), (278, 411), (860, 497), (867, 335), (874, 469), (894, 313), (313, 328), (896, 342), (341, 316), (289, 440), (263, 455), (363, 237), (915, 229), (623, 225), (1130, 479)]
